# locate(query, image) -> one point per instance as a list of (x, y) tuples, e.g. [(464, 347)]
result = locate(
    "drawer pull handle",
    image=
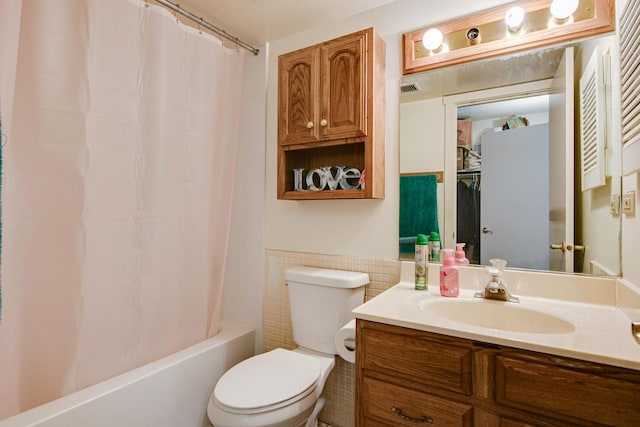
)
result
[(422, 419)]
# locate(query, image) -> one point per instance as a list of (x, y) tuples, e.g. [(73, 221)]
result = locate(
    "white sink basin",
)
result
[(505, 316)]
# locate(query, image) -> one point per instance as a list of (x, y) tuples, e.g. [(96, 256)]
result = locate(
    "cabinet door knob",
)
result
[(323, 122), (309, 125)]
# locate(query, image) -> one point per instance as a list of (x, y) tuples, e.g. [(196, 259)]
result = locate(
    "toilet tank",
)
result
[(321, 301)]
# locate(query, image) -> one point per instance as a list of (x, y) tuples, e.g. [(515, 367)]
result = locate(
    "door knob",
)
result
[(486, 230), (564, 247), (309, 125), (323, 122)]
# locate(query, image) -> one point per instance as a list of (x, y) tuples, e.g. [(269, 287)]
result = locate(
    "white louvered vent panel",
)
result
[(593, 125), (630, 72)]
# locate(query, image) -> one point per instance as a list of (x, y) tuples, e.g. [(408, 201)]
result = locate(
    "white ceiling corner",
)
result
[(259, 21)]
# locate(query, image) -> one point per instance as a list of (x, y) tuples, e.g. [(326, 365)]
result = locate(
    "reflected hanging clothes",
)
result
[(468, 219)]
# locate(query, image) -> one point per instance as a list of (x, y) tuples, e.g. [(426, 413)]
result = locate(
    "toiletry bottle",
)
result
[(422, 268), (434, 247), (449, 286), (461, 258)]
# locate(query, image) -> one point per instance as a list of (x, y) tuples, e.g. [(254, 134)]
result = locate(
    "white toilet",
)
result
[(283, 388)]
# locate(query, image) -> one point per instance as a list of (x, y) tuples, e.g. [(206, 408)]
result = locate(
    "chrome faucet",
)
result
[(496, 289)]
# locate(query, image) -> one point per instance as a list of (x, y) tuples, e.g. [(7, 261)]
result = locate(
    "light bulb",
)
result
[(514, 18), (563, 9), (432, 39)]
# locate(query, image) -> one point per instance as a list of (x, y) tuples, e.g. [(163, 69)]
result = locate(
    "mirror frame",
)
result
[(603, 21)]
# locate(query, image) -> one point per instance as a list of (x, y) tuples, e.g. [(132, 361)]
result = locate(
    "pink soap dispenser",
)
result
[(449, 285), (461, 257)]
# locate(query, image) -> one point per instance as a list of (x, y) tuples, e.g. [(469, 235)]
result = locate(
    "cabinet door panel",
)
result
[(344, 87), (595, 394), (298, 94)]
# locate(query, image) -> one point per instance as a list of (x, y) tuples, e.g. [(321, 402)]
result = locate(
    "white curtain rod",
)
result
[(207, 25)]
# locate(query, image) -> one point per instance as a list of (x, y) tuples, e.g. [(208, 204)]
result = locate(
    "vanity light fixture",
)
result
[(513, 27), (514, 18), (562, 10), (433, 39)]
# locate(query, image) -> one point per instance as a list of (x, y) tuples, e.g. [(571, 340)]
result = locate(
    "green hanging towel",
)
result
[(418, 208)]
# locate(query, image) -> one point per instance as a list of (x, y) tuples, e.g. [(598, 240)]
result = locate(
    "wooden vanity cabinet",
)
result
[(330, 113), (406, 377)]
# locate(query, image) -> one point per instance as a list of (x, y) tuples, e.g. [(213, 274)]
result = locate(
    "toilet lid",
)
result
[(268, 379)]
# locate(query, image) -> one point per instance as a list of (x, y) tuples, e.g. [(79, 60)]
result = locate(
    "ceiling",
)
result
[(513, 107), (502, 71), (259, 21), (473, 76)]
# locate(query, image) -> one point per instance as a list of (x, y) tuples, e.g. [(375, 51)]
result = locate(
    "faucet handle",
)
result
[(494, 271), (498, 262), (494, 284)]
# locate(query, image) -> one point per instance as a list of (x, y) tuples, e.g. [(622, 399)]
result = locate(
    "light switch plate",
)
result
[(629, 203), (615, 204)]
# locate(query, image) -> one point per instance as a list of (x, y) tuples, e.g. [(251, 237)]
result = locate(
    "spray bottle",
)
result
[(422, 268), (449, 277)]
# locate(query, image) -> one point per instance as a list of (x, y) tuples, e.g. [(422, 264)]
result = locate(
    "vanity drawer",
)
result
[(568, 389), (387, 404), (406, 355)]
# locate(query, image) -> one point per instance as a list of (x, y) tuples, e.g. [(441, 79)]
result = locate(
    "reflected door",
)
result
[(514, 208), (561, 137)]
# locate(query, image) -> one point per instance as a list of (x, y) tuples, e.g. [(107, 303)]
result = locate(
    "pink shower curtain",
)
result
[(119, 168)]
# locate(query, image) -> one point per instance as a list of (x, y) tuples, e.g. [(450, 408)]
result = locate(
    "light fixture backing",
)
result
[(538, 29)]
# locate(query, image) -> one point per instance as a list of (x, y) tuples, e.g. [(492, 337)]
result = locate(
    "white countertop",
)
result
[(602, 332)]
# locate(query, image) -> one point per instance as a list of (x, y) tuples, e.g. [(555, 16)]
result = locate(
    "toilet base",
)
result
[(313, 418), (296, 415)]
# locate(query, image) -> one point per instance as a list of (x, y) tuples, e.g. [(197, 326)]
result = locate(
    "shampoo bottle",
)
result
[(422, 268), (449, 285), (461, 258)]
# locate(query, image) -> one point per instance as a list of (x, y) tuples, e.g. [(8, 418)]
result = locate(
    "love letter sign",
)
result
[(319, 179)]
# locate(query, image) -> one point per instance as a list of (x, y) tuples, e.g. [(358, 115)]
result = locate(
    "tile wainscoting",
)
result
[(339, 389)]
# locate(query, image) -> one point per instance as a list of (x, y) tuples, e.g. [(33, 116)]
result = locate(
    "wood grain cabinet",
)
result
[(330, 110), (406, 377)]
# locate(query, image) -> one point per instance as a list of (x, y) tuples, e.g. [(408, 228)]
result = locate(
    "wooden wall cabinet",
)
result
[(406, 377), (330, 113)]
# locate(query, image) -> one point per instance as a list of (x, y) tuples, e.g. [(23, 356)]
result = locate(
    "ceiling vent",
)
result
[(409, 88)]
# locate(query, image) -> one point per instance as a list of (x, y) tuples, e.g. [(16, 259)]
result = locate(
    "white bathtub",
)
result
[(170, 392)]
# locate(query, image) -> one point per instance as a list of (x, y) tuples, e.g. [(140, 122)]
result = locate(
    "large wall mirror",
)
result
[(502, 140)]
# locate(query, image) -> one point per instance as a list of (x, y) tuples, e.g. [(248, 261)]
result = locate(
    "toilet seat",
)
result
[(267, 381)]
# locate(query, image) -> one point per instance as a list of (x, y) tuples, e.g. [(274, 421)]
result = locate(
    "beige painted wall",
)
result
[(630, 224), (422, 133), (598, 224), (371, 226), (359, 227), (351, 227), (366, 228)]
